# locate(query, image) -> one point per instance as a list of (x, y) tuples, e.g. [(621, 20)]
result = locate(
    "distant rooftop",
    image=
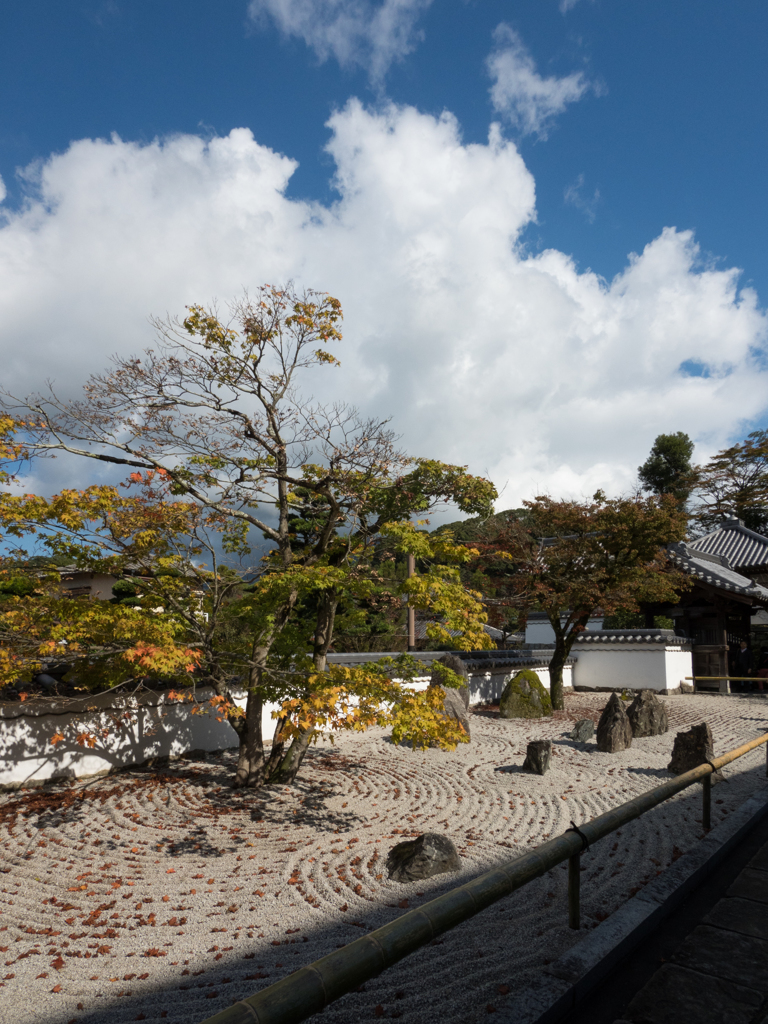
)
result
[(743, 548), (715, 570)]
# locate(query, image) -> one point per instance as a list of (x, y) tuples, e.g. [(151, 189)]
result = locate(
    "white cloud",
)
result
[(567, 5), (3, 191), (520, 94), (516, 364), (365, 33)]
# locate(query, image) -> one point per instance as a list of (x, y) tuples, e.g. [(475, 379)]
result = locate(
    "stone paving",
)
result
[(719, 974)]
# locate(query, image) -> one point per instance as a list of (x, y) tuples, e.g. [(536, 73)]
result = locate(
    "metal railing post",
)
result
[(574, 891), (706, 815)]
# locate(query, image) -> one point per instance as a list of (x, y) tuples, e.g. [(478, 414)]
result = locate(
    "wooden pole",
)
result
[(411, 611), (574, 891)]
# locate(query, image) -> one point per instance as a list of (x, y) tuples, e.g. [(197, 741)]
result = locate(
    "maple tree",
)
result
[(734, 482), (569, 558), (224, 453)]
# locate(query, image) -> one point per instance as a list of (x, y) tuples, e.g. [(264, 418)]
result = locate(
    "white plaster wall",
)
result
[(484, 689), (138, 731), (633, 666), (141, 729)]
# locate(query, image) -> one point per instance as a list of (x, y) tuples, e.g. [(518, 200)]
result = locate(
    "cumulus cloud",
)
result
[(519, 365), (519, 93), (3, 192), (360, 33)]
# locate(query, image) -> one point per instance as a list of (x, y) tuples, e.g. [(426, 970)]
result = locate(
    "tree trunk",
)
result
[(250, 756), (564, 638), (290, 764), (284, 766), (556, 691)]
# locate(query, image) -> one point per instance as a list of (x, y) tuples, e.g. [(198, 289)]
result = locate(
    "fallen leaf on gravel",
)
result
[(57, 964), (43, 975), (502, 989), (8, 977), (403, 904), (56, 988), (143, 976), (378, 1011)]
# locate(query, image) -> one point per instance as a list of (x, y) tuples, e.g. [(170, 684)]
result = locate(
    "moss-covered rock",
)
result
[(525, 696)]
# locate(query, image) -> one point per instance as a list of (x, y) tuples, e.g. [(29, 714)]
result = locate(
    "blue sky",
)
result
[(616, 121)]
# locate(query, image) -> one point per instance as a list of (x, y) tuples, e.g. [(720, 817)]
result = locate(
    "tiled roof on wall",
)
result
[(602, 637)]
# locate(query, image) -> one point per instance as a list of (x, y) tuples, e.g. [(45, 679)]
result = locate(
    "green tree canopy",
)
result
[(668, 469), (570, 558)]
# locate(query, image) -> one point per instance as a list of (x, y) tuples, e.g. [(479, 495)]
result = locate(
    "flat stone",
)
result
[(430, 854), (729, 955), (583, 731), (738, 915), (537, 757), (676, 995), (752, 885)]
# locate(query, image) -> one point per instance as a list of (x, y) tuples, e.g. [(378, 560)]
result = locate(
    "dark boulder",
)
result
[(525, 696), (692, 748), (537, 756), (456, 665), (614, 732), (647, 715), (430, 854), (583, 731)]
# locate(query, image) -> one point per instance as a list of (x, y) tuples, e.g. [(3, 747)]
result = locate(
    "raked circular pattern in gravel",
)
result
[(165, 895)]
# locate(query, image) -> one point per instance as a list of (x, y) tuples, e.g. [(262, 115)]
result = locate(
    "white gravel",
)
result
[(165, 895)]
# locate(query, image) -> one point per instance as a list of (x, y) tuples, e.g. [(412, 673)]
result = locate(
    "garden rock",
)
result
[(647, 715), (525, 696), (537, 757), (430, 854), (583, 731), (692, 748), (614, 732), (454, 707), (455, 664)]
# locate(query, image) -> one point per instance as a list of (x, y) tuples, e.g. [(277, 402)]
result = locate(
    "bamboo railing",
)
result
[(308, 990)]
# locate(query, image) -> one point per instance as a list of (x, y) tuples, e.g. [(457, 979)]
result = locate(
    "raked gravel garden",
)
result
[(165, 895)]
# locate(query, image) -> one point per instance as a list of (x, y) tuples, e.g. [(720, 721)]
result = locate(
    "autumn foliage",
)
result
[(247, 516)]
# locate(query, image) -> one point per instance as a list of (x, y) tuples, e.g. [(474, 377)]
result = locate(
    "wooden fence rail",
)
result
[(311, 988)]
